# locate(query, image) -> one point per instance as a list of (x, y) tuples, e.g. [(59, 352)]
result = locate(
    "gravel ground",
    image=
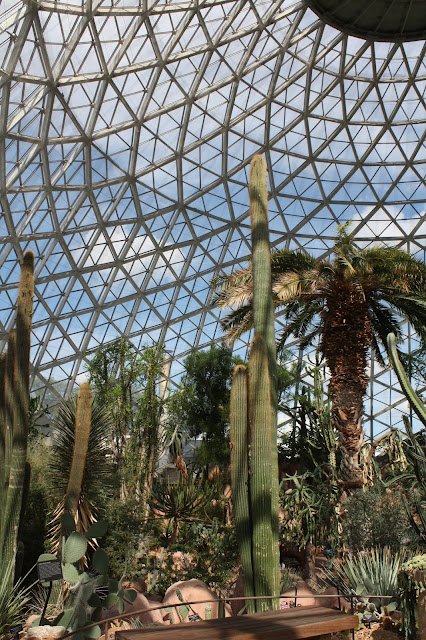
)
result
[(375, 633)]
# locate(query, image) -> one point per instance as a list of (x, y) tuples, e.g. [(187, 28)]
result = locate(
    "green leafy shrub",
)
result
[(215, 552), (33, 526), (128, 537), (377, 517), (210, 554)]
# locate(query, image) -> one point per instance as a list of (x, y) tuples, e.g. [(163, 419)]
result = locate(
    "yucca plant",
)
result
[(14, 601), (96, 475), (371, 572)]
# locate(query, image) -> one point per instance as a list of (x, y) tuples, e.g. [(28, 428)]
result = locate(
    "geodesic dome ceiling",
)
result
[(126, 133)]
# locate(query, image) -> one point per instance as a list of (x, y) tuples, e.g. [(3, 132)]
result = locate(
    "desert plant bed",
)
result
[(298, 623)]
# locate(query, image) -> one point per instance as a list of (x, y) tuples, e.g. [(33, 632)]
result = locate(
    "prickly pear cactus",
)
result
[(92, 591)]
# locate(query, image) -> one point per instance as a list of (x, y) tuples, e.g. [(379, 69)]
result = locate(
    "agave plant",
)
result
[(14, 601), (371, 572), (181, 502)]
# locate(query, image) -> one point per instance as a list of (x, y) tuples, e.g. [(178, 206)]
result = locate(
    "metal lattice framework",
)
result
[(126, 131)]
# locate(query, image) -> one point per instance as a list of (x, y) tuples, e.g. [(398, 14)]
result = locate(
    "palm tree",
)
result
[(348, 304)]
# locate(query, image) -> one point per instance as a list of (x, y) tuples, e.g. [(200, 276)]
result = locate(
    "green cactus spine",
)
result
[(262, 526), (412, 397), (81, 443), (21, 405), (240, 476)]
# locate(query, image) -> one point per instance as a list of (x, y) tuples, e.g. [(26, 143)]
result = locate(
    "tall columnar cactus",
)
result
[(263, 469), (3, 431), (257, 433), (240, 476), (17, 405), (263, 310), (7, 412), (81, 443)]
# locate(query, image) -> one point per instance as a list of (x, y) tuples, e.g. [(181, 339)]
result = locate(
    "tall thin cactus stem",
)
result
[(21, 405), (260, 529), (3, 433), (265, 562), (263, 308), (239, 428), (81, 443)]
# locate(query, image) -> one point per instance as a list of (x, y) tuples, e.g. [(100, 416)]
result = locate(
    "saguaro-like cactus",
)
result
[(263, 316), (17, 408), (240, 476), (81, 442), (254, 457), (3, 431), (265, 560)]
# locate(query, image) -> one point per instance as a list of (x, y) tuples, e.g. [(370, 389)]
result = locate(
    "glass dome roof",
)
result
[(127, 129)]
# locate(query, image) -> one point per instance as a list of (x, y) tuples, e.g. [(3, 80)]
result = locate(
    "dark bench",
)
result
[(291, 624)]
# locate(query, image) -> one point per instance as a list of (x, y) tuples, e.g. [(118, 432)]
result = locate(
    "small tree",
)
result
[(126, 381), (201, 405)]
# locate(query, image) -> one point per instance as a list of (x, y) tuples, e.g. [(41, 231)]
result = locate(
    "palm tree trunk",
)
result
[(346, 342)]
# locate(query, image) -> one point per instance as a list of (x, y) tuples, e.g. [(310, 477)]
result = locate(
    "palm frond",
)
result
[(292, 284), (384, 322), (302, 317), (393, 267), (226, 287), (412, 307), (238, 322), (283, 260)]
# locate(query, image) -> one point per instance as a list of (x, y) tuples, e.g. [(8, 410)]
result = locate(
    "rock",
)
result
[(154, 598), (30, 620), (138, 584), (382, 634), (306, 595), (140, 603), (45, 632), (193, 591)]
